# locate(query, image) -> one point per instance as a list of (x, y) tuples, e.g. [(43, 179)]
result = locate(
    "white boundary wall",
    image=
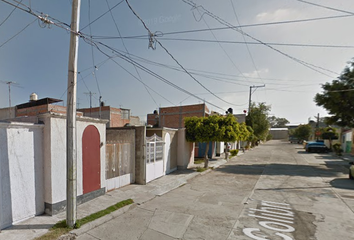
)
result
[(55, 154), (21, 172)]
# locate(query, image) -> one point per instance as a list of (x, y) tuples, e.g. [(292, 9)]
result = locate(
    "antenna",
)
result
[(9, 83), (90, 93)]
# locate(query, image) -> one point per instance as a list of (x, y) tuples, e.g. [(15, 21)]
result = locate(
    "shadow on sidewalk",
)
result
[(343, 183)]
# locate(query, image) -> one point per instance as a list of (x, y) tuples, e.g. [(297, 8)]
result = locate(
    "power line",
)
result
[(126, 49), (225, 52), (344, 90), (211, 75), (223, 22), (9, 14), (244, 39), (157, 76), (254, 43), (92, 53), (326, 7), (102, 15), (227, 28), (45, 19), (160, 44), (136, 77), (23, 29)]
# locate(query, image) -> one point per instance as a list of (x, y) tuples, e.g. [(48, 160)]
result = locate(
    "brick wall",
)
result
[(173, 117), (152, 119), (34, 111)]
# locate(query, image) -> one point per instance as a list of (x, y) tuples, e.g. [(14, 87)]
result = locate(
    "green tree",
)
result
[(251, 139), (276, 122), (257, 118), (302, 132), (212, 128), (338, 97), (330, 134)]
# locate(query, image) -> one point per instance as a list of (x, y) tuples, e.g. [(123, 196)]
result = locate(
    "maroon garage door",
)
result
[(91, 163)]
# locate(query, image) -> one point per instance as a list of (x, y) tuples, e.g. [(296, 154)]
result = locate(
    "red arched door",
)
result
[(91, 162)]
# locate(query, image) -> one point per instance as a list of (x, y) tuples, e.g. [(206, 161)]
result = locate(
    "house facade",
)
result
[(173, 117), (117, 117), (33, 160)]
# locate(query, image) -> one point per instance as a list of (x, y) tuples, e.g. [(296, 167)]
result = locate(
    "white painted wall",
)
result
[(55, 152), (21, 179), (347, 136), (185, 152)]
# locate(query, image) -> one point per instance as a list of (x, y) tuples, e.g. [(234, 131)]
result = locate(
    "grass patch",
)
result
[(102, 213), (198, 160), (201, 169), (61, 228)]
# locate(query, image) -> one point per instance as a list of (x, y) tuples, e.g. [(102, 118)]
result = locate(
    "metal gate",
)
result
[(154, 158)]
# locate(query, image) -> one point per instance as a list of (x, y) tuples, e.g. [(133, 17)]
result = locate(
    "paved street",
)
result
[(276, 191)]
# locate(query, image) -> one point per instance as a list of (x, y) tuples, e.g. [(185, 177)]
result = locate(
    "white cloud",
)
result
[(256, 74), (278, 15)]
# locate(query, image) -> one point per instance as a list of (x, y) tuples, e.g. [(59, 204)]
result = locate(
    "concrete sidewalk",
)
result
[(39, 225)]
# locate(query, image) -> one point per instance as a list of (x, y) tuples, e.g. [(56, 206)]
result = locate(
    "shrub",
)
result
[(233, 152), (337, 149), (269, 137)]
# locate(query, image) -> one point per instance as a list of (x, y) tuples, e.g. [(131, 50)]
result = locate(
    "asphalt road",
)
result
[(276, 191)]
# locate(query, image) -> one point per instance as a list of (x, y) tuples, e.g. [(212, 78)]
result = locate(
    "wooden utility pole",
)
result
[(71, 146)]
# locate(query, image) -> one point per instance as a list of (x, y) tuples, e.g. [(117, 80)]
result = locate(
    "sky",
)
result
[(201, 53)]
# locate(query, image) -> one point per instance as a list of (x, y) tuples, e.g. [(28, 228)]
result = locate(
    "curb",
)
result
[(158, 192), (85, 228)]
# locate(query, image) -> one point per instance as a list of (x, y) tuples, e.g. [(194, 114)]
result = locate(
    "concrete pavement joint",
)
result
[(93, 236), (244, 203)]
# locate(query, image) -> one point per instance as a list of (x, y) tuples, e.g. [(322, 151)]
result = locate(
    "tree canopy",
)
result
[(257, 118), (338, 97), (302, 132), (276, 122), (214, 128)]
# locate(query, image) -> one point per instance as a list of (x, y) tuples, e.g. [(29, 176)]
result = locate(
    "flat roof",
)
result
[(43, 101)]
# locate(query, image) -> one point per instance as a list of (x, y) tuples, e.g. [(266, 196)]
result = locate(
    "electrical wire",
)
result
[(213, 75), (102, 15), (181, 66), (23, 29), (126, 49), (227, 28), (254, 43), (9, 14), (145, 85), (225, 23), (87, 39), (326, 7), (244, 39), (225, 52), (92, 53), (150, 72)]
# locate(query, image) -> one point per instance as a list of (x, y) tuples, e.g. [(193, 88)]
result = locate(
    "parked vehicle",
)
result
[(316, 147), (351, 170), (294, 140)]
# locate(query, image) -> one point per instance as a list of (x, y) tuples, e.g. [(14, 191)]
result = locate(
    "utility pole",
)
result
[(71, 150), (9, 83), (100, 105), (250, 96), (317, 126), (90, 93)]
